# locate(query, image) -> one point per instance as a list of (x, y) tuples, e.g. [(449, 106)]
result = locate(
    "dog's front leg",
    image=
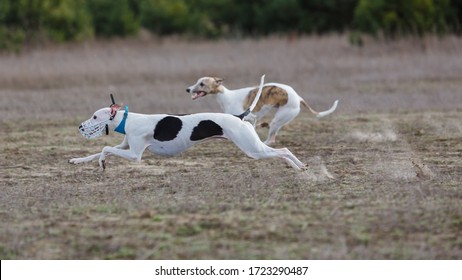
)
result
[(84, 159), (133, 153), (123, 145)]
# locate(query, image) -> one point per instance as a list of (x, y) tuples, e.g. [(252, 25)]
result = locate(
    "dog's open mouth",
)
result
[(198, 94)]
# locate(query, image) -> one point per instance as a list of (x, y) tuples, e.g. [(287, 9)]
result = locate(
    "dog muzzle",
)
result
[(91, 130)]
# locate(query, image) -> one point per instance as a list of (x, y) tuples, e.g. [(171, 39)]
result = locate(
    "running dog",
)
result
[(280, 97), (168, 135)]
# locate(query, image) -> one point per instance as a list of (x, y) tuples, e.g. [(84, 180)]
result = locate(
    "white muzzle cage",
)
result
[(92, 130)]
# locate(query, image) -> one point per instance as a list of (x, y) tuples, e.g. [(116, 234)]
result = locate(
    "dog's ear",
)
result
[(218, 81), (115, 108)]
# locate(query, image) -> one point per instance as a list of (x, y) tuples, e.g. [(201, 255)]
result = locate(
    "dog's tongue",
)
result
[(197, 95)]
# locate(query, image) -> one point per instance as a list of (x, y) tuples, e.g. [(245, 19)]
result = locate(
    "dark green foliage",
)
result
[(35, 20), (114, 17), (397, 17), (204, 18), (11, 38), (70, 20), (278, 16), (454, 16), (213, 18), (165, 16), (67, 20), (321, 16)]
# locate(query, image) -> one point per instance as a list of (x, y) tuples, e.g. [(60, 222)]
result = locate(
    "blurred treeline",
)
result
[(31, 21)]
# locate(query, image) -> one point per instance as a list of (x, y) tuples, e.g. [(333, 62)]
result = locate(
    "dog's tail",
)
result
[(323, 113), (255, 101)]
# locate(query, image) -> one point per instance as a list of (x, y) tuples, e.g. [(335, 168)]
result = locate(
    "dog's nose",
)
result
[(81, 128), (188, 90)]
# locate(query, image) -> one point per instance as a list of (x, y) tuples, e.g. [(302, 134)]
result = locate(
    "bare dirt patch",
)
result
[(383, 178)]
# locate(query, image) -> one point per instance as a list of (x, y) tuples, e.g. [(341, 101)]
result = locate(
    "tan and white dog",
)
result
[(279, 97)]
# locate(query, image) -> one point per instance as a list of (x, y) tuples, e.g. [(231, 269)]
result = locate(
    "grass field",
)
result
[(384, 171)]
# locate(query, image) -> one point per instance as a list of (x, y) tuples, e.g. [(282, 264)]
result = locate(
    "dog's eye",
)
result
[(94, 117), (201, 84)]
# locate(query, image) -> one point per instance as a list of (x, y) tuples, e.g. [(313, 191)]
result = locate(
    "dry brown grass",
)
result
[(384, 171)]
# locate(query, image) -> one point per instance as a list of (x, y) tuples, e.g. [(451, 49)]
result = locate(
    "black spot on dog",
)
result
[(167, 128), (206, 129)]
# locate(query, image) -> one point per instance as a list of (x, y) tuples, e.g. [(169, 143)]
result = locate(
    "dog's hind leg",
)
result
[(290, 158), (282, 117), (247, 140), (284, 153)]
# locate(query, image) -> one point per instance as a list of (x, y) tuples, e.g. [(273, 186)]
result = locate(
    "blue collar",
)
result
[(121, 127)]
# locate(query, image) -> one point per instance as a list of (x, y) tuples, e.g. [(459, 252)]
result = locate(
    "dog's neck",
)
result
[(231, 101), (221, 89), (117, 120)]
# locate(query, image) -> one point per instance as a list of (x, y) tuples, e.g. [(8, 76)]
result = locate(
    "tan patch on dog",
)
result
[(270, 95), (215, 85)]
